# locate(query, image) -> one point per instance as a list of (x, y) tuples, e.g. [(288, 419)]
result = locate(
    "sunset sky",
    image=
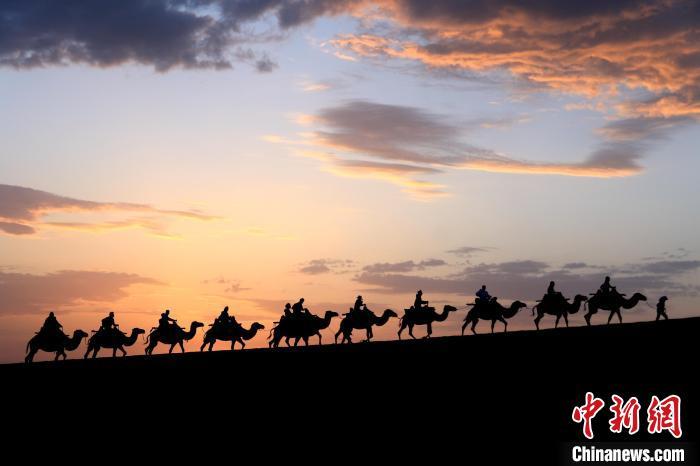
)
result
[(195, 154)]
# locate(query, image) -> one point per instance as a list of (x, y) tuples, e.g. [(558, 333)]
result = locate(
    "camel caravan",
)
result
[(297, 323)]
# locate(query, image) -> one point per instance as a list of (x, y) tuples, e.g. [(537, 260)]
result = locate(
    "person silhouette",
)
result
[(224, 319), (418, 303), (483, 295), (164, 321), (108, 324), (298, 308), (550, 289), (606, 287), (287, 310), (357, 308), (661, 308), (51, 325)]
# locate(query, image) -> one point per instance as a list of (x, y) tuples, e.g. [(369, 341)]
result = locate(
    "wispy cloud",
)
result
[(24, 293), (407, 145), (323, 266), (24, 210)]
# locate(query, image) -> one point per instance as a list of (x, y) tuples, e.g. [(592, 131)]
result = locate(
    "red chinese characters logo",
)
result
[(587, 412), (625, 415), (662, 415), (665, 415)]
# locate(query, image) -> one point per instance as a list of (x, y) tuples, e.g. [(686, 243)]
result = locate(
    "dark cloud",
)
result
[(671, 267), (30, 294), (406, 266), (575, 265), (159, 33), (322, 266), (22, 209), (528, 279), (468, 250), (12, 228), (634, 129)]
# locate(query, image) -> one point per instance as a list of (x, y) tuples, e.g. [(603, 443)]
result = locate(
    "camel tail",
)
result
[(401, 320), (533, 309), (27, 349)]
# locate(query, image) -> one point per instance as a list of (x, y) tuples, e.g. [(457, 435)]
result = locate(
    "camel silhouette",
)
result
[(365, 320), (232, 333), (560, 308), (176, 336), (613, 302), (425, 316), (492, 311), (300, 328), (113, 339), (58, 343)]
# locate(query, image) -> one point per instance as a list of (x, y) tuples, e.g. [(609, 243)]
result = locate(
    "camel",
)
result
[(300, 328), (425, 317), (231, 333), (492, 311), (366, 321), (560, 309), (613, 303), (114, 339), (58, 343), (176, 336)]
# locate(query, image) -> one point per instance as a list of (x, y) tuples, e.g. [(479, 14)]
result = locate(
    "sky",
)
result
[(188, 155)]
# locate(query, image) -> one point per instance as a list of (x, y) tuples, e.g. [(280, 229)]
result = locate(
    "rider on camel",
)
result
[(164, 321), (418, 303), (51, 326), (483, 295), (109, 325), (606, 287)]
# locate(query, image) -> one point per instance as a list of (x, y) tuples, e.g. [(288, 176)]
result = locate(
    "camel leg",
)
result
[(121, 348), (337, 335), (171, 348), (319, 337), (537, 321), (505, 324), (429, 330), (566, 319), (612, 313), (493, 324), (286, 340), (233, 344), (182, 346), (556, 323), (464, 325), (410, 331), (474, 322), (30, 355), (619, 315), (401, 328)]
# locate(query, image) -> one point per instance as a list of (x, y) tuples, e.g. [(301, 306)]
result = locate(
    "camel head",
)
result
[(331, 314), (390, 313), (79, 334), (138, 331), (196, 324), (517, 305), (580, 297), (449, 308), (257, 326), (639, 297)]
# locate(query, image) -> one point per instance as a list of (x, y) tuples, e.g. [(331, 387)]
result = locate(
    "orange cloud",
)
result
[(576, 47)]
